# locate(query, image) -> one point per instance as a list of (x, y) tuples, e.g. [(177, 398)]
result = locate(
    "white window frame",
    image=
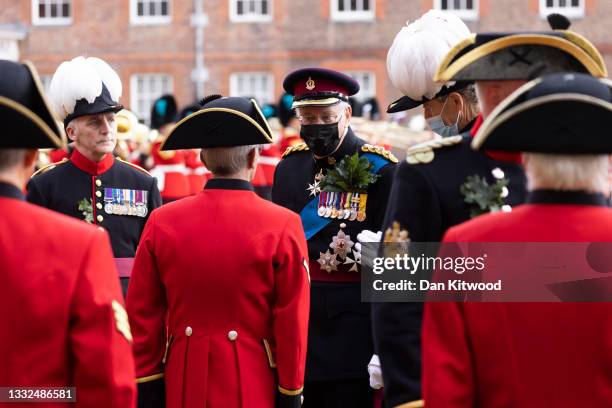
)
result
[(568, 11), (337, 15), (234, 91), (250, 18), (51, 21), (358, 76), (135, 19), (145, 115), (463, 13)]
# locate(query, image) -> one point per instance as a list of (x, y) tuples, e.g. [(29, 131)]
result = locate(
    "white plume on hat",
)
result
[(419, 48), (81, 78)]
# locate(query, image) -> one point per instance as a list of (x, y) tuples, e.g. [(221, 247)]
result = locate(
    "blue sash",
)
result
[(311, 221)]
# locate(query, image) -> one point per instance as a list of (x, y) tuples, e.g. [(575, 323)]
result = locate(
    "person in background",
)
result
[(168, 166)]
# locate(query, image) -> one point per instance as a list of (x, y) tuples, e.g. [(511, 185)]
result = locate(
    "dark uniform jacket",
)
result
[(122, 197), (426, 200), (339, 341)]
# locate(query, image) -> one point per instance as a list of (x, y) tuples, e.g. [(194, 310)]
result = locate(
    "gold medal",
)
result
[(334, 212), (361, 216)]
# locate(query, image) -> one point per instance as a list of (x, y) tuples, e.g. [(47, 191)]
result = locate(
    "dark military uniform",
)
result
[(427, 199), (339, 341), (123, 196)]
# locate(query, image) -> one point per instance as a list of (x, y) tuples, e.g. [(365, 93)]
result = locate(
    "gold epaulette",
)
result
[(424, 152), (133, 165), (296, 148), (49, 167), (368, 148)]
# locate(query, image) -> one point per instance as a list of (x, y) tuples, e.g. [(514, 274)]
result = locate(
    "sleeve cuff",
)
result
[(286, 391), (412, 404), (149, 378)]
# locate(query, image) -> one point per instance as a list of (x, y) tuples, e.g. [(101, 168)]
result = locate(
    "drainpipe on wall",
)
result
[(199, 75)]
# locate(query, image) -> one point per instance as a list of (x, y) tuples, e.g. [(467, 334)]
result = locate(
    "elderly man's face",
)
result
[(94, 135), (320, 124)]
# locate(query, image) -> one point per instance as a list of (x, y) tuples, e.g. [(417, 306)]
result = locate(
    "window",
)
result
[(150, 12), (464, 9), (258, 85), (367, 84), (51, 12), (242, 11), (569, 8), (352, 10), (145, 89)]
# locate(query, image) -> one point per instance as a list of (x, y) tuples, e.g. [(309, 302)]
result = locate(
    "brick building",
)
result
[(245, 47)]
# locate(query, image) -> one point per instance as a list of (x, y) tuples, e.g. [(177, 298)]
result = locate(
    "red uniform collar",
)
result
[(495, 154), (88, 166)]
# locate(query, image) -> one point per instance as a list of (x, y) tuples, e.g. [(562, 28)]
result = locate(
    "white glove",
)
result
[(368, 252), (376, 380)]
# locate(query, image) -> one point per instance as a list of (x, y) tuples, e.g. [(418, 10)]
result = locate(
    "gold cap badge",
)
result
[(310, 84)]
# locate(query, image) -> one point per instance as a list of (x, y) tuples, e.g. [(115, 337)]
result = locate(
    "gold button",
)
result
[(99, 206), (188, 331), (232, 335), (100, 218), (98, 183), (98, 194)]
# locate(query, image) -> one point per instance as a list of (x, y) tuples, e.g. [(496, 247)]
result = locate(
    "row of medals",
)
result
[(330, 206), (139, 210)]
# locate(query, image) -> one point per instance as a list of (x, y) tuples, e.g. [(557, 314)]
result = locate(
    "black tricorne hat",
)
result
[(319, 87), (221, 122), (560, 113), (521, 55), (24, 110), (163, 111)]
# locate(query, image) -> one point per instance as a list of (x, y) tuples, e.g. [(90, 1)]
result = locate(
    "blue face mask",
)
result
[(437, 125)]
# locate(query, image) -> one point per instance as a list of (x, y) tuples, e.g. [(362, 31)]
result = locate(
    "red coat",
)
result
[(61, 313), (198, 173), (171, 173), (522, 354), (229, 269)]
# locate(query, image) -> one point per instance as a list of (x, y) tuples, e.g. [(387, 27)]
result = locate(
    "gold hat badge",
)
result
[(310, 84)]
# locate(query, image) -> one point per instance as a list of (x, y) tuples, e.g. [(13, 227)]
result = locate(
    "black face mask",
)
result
[(321, 139)]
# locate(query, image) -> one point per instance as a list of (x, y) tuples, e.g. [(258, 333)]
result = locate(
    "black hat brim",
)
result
[(34, 126), (26, 129), (406, 103), (218, 127), (564, 123)]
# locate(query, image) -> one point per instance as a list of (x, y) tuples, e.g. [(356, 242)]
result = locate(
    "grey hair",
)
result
[(10, 158), (567, 172), (227, 161)]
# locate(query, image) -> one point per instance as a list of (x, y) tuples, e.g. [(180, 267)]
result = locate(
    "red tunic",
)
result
[(171, 173), (229, 269), (198, 174), (61, 313), (522, 354)]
